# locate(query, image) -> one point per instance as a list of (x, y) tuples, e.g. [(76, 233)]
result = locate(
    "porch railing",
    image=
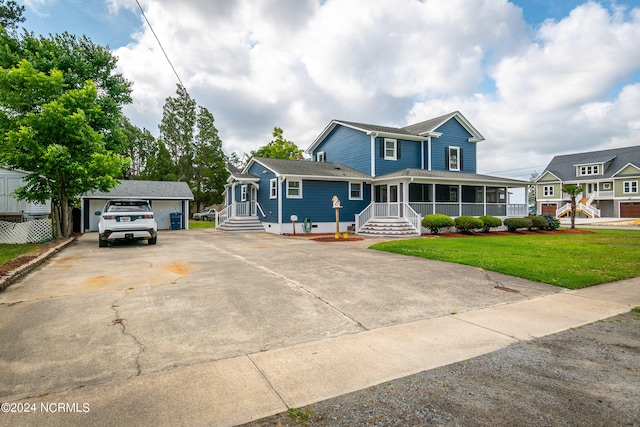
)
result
[(393, 209), (414, 217), (472, 209), (238, 209)]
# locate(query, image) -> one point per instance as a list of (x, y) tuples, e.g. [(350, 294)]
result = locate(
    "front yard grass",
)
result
[(568, 260), (9, 252), (201, 224)]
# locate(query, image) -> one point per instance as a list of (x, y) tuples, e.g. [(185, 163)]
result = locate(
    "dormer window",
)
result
[(589, 170)]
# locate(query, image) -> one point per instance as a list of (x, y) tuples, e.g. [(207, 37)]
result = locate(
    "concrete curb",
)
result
[(6, 281)]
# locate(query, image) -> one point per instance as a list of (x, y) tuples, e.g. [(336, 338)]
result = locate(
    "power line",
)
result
[(160, 44)]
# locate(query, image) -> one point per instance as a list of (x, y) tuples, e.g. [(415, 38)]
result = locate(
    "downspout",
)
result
[(280, 182), (373, 153)]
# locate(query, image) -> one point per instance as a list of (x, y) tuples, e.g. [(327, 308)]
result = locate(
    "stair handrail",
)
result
[(363, 217), (224, 215), (591, 198), (413, 217), (260, 209)]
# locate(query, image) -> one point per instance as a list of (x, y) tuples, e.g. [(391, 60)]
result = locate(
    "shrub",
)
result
[(434, 222), (465, 224), (552, 222), (490, 222), (538, 222), (513, 224)]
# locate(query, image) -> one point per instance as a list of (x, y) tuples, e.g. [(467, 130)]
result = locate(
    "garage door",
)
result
[(162, 210), (549, 208), (629, 209)]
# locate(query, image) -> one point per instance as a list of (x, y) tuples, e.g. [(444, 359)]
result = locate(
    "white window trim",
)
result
[(588, 170), (548, 190), (243, 193), (361, 191), (298, 196), (273, 188), (630, 187), (457, 150), (395, 149), (321, 156)]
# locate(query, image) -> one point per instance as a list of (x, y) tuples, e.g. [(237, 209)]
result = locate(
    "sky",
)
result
[(536, 78)]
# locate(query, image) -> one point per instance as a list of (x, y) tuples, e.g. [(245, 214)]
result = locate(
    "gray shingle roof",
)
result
[(453, 176), (309, 168), (146, 190), (564, 167), (428, 125)]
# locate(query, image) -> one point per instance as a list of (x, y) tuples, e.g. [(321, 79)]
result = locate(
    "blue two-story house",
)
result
[(386, 180)]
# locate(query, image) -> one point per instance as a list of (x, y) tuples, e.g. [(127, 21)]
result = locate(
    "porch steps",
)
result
[(388, 226), (242, 224)]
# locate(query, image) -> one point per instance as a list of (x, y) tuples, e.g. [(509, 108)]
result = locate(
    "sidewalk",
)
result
[(237, 390)]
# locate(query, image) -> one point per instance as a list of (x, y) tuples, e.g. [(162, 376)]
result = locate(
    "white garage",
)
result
[(165, 197)]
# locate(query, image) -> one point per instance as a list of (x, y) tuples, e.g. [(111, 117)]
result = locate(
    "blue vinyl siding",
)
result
[(316, 202), (453, 134), (269, 206), (409, 157), (347, 146)]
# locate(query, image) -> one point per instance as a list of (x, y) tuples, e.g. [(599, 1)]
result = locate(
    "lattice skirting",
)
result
[(36, 231)]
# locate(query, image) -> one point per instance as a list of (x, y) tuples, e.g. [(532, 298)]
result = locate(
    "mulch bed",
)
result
[(27, 257), (509, 233)]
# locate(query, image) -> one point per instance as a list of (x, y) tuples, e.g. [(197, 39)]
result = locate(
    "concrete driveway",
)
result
[(93, 318)]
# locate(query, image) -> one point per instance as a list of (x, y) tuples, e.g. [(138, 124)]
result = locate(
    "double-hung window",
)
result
[(454, 158), (547, 190), (273, 188), (294, 189), (355, 191), (390, 149), (630, 187)]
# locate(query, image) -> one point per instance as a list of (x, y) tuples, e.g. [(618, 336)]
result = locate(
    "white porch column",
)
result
[(233, 199), (484, 200), (459, 199)]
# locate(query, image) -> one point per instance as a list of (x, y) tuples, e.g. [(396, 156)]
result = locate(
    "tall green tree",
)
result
[(80, 60), (191, 138), (11, 14), (177, 131), (47, 130), (573, 190), (140, 146), (278, 148), (209, 172)]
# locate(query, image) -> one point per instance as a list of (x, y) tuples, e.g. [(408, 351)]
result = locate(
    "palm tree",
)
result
[(572, 190)]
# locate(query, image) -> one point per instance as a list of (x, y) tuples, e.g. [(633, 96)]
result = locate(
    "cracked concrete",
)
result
[(121, 321)]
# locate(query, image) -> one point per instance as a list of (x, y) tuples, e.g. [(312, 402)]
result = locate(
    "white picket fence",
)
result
[(36, 231)]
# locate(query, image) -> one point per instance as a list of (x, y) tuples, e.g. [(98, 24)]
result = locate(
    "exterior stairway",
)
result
[(388, 226), (243, 224)]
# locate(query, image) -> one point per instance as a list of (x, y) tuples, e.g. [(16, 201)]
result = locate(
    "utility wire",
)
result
[(160, 44)]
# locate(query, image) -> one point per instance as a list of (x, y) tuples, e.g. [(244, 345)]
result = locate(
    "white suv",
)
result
[(127, 220)]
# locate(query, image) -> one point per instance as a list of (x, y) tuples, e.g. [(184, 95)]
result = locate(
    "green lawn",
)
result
[(9, 252), (569, 260), (201, 224)]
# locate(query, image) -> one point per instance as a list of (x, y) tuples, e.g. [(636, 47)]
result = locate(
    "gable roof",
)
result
[(417, 132), (306, 168), (140, 189), (564, 166)]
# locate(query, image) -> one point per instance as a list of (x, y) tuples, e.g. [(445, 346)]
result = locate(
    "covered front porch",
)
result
[(412, 200), (243, 208)]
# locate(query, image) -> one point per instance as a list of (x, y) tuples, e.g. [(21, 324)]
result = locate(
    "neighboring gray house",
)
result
[(10, 207), (166, 197), (610, 181)]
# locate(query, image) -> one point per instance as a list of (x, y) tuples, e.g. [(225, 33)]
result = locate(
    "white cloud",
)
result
[(532, 92)]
